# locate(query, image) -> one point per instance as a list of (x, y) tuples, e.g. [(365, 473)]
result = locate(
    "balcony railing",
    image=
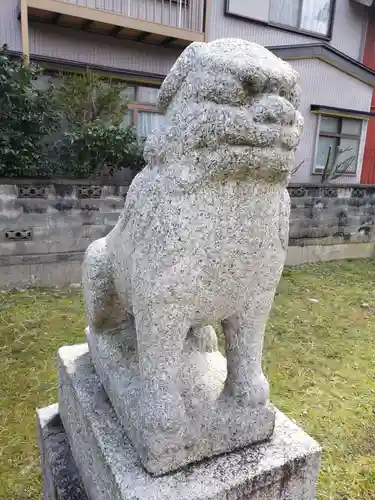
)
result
[(176, 22), (185, 14)]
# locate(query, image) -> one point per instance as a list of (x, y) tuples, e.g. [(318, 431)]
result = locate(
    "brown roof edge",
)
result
[(328, 54), (55, 63), (318, 50)]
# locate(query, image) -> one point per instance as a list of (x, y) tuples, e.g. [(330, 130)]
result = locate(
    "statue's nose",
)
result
[(270, 108), (289, 118)]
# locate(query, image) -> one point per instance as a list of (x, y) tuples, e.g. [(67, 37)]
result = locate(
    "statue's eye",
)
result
[(252, 88), (283, 92)]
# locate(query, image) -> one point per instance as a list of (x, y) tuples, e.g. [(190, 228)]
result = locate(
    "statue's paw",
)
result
[(251, 393)]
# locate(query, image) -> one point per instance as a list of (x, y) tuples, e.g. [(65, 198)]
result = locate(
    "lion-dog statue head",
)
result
[(231, 106)]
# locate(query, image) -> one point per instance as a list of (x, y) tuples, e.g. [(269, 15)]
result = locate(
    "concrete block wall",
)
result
[(45, 226), (331, 215), (331, 222)]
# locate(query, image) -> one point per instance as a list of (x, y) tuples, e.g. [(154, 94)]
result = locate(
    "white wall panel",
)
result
[(325, 85)]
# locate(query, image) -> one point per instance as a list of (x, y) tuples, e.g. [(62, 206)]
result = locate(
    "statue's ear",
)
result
[(181, 68)]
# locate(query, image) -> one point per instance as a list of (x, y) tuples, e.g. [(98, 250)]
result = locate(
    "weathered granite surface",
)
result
[(201, 240), (284, 468), (60, 475), (202, 382)]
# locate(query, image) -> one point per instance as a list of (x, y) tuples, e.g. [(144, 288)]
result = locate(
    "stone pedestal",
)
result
[(60, 474), (213, 423), (284, 468)]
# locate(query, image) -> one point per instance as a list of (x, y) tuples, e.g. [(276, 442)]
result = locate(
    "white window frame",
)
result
[(136, 107), (299, 27), (318, 170), (260, 12)]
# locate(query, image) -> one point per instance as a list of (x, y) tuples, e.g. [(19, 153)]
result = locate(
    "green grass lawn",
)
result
[(319, 357)]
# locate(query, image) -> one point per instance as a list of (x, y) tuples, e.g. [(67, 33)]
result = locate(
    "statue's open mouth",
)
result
[(273, 149), (263, 136)]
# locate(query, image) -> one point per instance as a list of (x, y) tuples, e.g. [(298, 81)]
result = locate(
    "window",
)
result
[(148, 122), (339, 138), (147, 95), (143, 113), (308, 15)]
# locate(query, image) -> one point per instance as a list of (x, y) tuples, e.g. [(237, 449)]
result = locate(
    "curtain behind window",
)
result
[(285, 12), (148, 122), (310, 15), (315, 15)]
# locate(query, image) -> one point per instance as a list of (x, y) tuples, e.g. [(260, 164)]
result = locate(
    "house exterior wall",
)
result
[(82, 47), (349, 28), (321, 83), (328, 86), (74, 45), (350, 24), (368, 169), (10, 29)]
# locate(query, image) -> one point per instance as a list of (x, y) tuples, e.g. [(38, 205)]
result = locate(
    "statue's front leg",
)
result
[(244, 334), (160, 337)]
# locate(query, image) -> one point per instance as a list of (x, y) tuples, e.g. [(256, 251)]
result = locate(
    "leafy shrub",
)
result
[(85, 98), (27, 116), (96, 150), (95, 142)]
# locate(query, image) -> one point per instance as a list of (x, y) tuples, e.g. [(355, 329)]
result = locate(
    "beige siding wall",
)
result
[(348, 34), (10, 29), (84, 47), (348, 31), (53, 41), (325, 85)]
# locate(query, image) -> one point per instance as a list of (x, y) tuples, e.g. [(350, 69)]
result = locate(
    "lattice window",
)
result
[(358, 192), (329, 192), (89, 191), (338, 144), (30, 191), (18, 234), (297, 192)]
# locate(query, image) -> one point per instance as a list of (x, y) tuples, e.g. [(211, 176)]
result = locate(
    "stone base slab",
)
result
[(213, 423), (284, 468), (60, 474)]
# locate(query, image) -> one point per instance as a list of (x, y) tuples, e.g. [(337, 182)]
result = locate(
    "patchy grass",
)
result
[(319, 357), (33, 325), (321, 363)]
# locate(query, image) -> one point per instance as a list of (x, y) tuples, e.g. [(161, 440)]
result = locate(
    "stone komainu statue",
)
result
[(202, 241)]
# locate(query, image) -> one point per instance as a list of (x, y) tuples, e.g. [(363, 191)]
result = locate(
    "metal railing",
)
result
[(184, 14)]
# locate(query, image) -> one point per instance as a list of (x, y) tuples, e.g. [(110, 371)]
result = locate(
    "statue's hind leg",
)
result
[(103, 307)]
